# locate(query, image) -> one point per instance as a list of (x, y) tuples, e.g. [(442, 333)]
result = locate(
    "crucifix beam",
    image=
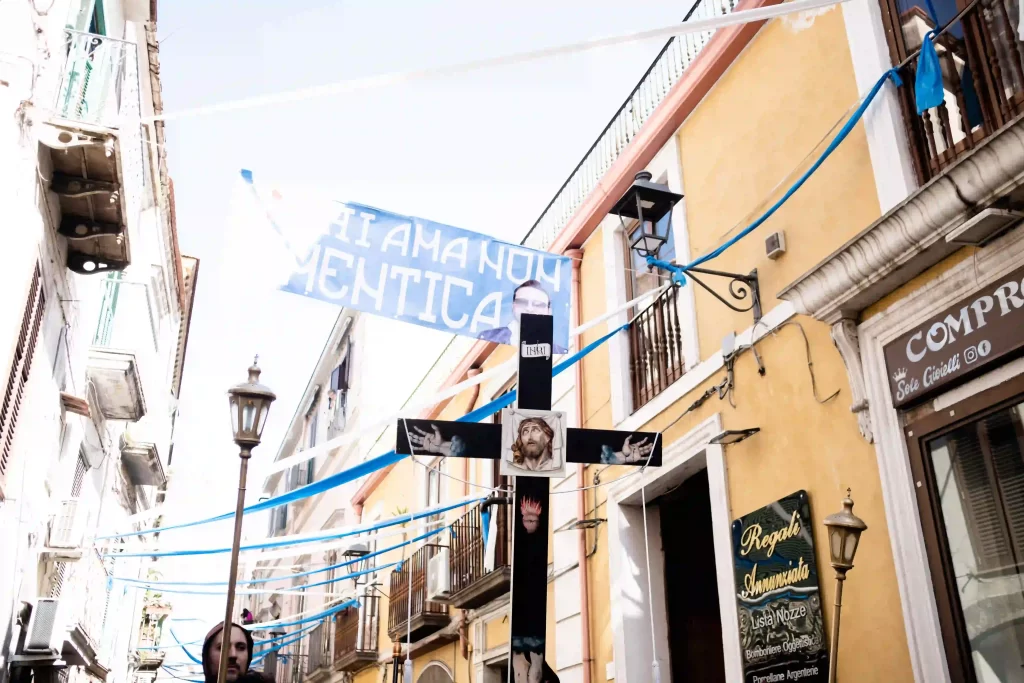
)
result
[(533, 444)]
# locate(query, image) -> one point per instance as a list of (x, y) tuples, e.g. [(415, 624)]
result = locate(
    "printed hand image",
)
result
[(529, 297), (630, 453), (528, 665), (435, 443)]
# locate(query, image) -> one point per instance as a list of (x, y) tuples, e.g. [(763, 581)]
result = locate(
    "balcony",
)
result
[(319, 661), (115, 377), (355, 635), (656, 348), (478, 579), (983, 82), (666, 70), (96, 150), (423, 617), (147, 659), (142, 462)]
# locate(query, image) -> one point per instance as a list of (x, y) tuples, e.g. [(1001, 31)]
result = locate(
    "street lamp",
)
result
[(396, 662), (250, 405), (647, 203), (844, 529)]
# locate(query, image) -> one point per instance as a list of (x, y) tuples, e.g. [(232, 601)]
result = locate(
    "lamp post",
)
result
[(647, 203), (250, 405), (396, 662), (844, 529)]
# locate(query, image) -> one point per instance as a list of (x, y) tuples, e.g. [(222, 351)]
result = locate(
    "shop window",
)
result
[(973, 518)]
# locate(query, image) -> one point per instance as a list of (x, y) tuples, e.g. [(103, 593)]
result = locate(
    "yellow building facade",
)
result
[(641, 565)]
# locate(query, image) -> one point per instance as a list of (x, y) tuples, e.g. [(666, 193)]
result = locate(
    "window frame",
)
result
[(917, 433)]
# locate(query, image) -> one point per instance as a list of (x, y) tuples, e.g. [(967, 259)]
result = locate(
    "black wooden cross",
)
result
[(536, 447)]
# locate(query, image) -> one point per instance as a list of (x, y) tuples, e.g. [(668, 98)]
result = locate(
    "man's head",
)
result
[(239, 652), (530, 297), (534, 441)]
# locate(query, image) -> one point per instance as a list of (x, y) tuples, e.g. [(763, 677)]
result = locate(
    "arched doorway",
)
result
[(435, 672)]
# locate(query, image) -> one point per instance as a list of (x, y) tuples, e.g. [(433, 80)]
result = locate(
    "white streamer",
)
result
[(455, 390), (361, 431), (384, 80)]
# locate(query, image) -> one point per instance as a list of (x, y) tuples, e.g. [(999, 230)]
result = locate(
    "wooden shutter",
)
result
[(17, 379), (1000, 438), (81, 467), (989, 468)]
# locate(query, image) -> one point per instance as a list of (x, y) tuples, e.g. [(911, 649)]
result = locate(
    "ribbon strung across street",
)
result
[(679, 272), (355, 472)]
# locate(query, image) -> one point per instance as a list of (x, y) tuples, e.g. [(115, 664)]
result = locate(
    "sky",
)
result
[(485, 152)]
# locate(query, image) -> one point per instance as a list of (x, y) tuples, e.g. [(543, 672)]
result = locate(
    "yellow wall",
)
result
[(753, 132), (768, 113)]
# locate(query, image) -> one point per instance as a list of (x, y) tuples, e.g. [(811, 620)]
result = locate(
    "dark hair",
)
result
[(517, 452), (530, 283)]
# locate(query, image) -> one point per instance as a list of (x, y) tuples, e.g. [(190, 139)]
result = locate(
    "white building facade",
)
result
[(97, 300)]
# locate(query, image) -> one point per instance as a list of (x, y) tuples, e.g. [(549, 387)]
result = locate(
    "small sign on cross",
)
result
[(533, 444)]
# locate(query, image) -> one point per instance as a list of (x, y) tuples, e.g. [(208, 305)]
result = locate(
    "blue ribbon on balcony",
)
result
[(928, 90), (485, 523)]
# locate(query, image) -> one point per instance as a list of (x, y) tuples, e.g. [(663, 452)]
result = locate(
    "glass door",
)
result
[(973, 518)]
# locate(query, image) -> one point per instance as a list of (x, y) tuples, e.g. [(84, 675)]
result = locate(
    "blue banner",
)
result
[(414, 270)]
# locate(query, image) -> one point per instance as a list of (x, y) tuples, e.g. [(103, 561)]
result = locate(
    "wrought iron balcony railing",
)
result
[(656, 348), (982, 76), (100, 82), (424, 616), (319, 647), (668, 67), (356, 635), (480, 573)]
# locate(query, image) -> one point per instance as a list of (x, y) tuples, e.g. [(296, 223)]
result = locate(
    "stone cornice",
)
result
[(911, 237)]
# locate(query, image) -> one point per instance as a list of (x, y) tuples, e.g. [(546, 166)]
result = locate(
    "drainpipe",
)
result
[(581, 500), (472, 372)]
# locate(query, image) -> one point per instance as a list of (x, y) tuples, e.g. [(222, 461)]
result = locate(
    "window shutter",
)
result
[(17, 379), (81, 467), (1001, 439), (978, 496)]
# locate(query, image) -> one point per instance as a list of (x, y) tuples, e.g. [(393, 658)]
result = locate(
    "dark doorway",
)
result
[(691, 583)]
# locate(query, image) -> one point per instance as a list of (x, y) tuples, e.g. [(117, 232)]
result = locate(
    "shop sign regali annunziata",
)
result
[(955, 344), (782, 631)]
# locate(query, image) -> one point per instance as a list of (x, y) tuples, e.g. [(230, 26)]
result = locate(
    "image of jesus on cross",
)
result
[(533, 445)]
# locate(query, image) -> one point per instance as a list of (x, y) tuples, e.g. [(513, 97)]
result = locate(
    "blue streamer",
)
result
[(891, 74), (258, 641), (411, 517), (183, 648), (290, 576), (357, 471)]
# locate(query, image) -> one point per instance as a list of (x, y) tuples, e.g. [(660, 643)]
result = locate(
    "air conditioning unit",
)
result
[(42, 625), (69, 525), (439, 578)]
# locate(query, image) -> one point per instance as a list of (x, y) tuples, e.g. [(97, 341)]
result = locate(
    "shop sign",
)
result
[(782, 630), (956, 343)]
